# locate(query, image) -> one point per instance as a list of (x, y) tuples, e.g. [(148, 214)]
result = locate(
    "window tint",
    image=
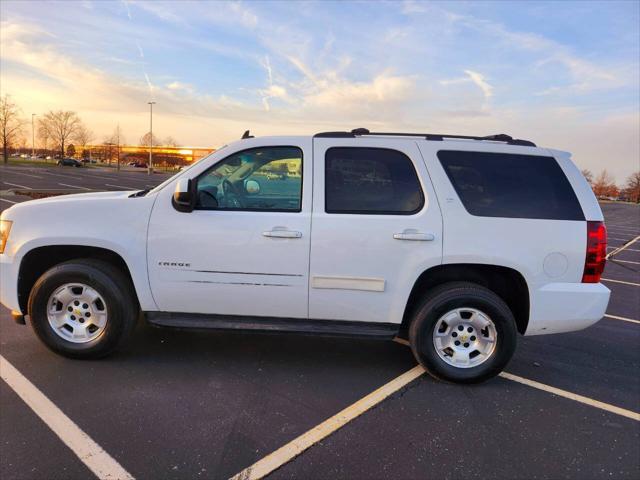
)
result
[(266, 178), (508, 185), (371, 181)]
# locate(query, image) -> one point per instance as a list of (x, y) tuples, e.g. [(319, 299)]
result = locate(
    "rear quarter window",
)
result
[(511, 185)]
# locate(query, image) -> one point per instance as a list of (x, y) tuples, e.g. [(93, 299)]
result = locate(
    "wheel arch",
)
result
[(507, 283), (40, 259)]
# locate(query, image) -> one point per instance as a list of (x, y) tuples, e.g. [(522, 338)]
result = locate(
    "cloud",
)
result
[(479, 80)]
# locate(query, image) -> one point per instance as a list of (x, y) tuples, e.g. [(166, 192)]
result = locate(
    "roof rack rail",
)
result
[(359, 132)]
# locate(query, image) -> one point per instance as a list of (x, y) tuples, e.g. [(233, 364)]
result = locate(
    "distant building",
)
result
[(162, 155)]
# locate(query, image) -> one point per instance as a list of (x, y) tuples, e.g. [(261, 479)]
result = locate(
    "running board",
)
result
[(273, 325)]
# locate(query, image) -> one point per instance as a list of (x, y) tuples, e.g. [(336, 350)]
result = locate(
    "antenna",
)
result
[(246, 134)]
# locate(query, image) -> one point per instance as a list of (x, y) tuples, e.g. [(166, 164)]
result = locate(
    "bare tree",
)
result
[(588, 176), (60, 127), (604, 185), (117, 139), (83, 137), (170, 142), (10, 125), (145, 140), (632, 187)]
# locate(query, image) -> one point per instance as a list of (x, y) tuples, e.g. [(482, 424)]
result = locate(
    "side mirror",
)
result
[(184, 198)]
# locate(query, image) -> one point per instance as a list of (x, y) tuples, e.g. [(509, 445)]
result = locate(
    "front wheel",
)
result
[(83, 308), (463, 332)]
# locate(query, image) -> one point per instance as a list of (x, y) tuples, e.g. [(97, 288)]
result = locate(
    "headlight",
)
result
[(5, 228)]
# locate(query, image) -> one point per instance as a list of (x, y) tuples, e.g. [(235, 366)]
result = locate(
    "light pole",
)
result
[(150, 166), (33, 136)]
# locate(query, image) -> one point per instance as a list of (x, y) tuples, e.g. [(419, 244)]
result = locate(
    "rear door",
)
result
[(376, 226)]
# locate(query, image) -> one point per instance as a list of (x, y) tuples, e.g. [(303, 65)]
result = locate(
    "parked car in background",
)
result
[(69, 162), (457, 243), (140, 165)]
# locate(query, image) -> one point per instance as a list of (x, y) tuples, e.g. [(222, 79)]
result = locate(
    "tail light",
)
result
[(596, 252)]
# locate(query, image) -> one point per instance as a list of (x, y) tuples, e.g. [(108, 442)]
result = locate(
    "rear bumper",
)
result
[(566, 307)]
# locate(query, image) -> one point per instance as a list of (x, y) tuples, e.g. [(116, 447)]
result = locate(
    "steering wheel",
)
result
[(232, 197)]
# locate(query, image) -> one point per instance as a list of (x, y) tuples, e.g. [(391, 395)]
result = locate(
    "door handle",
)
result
[(282, 234), (415, 236)]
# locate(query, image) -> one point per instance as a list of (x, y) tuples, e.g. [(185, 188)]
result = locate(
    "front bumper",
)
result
[(9, 283), (566, 307)]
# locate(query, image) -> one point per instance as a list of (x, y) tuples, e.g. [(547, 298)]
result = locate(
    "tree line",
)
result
[(604, 186), (62, 133)]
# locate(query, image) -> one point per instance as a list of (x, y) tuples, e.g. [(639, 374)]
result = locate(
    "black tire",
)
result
[(454, 295), (114, 287)]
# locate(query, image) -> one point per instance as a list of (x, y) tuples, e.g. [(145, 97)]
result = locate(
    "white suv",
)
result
[(457, 242)]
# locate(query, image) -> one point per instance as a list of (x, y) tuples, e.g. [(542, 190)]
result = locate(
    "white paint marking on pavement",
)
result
[(89, 452), (626, 249), (298, 445), (563, 393), (624, 319), (121, 186), (74, 186), (622, 248), (620, 281), (5, 200), (65, 176), (626, 226), (623, 261), (573, 396), (27, 175), (18, 185)]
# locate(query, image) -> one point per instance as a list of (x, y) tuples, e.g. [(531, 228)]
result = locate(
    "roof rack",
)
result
[(359, 132)]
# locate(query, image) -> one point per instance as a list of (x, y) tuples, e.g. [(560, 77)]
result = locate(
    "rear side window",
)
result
[(374, 181), (509, 185)]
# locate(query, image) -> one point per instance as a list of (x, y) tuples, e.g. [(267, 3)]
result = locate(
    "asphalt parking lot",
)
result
[(179, 404)]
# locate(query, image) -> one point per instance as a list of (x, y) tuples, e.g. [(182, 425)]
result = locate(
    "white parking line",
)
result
[(626, 249), (74, 186), (27, 174), (622, 227), (5, 200), (573, 396), (623, 247), (65, 176), (298, 445), (624, 319), (623, 261), (121, 186), (18, 185), (620, 281), (88, 451), (564, 393)]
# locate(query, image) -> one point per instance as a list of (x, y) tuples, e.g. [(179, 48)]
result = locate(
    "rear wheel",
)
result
[(83, 308), (463, 332)]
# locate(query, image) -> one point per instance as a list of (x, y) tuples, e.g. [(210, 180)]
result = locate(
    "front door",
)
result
[(376, 227), (244, 250)]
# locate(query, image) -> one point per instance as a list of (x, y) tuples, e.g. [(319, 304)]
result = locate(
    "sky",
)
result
[(565, 74)]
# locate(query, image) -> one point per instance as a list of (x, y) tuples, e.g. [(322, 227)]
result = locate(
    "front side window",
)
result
[(265, 178), (510, 185), (374, 181)]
